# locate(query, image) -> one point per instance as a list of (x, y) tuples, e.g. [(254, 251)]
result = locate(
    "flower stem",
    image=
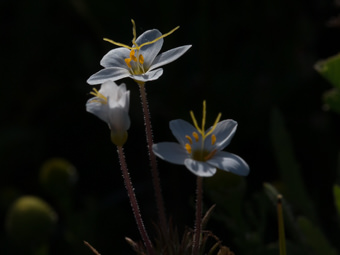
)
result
[(198, 223), (152, 157), (133, 201)]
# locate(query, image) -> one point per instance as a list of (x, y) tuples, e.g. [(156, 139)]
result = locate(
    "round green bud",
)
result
[(119, 138), (30, 221), (58, 175)]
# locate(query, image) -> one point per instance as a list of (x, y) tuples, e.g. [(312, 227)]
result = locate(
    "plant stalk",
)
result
[(133, 201), (152, 157), (198, 222)]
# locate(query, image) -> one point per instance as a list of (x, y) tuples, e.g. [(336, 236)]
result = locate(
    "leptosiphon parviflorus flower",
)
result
[(140, 61), (200, 150), (111, 104)]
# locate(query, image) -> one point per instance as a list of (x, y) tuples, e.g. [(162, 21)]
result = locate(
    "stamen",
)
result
[(132, 55), (210, 155), (214, 126), (141, 59), (213, 139), (195, 135), (189, 138), (96, 93), (188, 148), (127, 61)]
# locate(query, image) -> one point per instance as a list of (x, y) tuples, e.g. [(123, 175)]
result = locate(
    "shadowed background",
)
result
[(247, 59)]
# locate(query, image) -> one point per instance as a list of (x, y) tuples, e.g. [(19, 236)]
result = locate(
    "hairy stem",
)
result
[(198, 222), (152, 157), (133, 201)]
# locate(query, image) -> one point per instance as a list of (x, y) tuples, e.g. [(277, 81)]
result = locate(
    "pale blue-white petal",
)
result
[(101, 110), (116, 58), (149, 51), (171, 152), (108, 74), (200, 168), (229, 162), (149, 76), (169, 56), (110, 90), (224, 132), (119, 120), (181, 128)]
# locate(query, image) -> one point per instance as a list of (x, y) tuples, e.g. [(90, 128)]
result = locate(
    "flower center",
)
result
[(100, 97), (137, 67), (200, 152)]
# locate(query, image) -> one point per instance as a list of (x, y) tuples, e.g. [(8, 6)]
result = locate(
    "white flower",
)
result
[(139, 61), (111, 104), (201, 151)]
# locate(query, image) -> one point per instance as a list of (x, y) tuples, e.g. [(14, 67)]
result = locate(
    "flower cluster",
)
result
[(200, 150)]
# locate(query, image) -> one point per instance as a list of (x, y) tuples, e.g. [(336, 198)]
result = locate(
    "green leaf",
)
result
[(336, 192), (314, 237), (331, 99), (292, 181), (330, 69)]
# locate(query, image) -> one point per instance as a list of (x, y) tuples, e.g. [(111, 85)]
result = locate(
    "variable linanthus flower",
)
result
[(111, 104), (200, 150), (139, 61)]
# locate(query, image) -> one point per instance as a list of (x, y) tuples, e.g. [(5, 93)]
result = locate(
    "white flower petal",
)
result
[(119, 120), (181, 128), (224, 132), (169, 56), (100, 110), (149, 76), (108, 89), (229, 162), (116, 58), (150, 51), (200, 168), (171, 152), (112, 74)]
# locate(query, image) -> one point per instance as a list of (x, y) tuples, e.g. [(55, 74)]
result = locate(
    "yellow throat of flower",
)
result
[(202, 154), (135, 48)]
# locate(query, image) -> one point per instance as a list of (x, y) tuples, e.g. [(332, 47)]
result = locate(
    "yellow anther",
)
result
[(210, 155), (195, 135), (213, 139), (188, 148), (189, 138), (141, 59), (96, 93), (132, 55), (127, 61)]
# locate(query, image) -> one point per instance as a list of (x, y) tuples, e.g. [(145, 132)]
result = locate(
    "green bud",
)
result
[(119, 138), (30, 221), (58, 175)]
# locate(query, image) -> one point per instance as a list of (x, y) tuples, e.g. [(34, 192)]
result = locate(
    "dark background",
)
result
[(247, 58)]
